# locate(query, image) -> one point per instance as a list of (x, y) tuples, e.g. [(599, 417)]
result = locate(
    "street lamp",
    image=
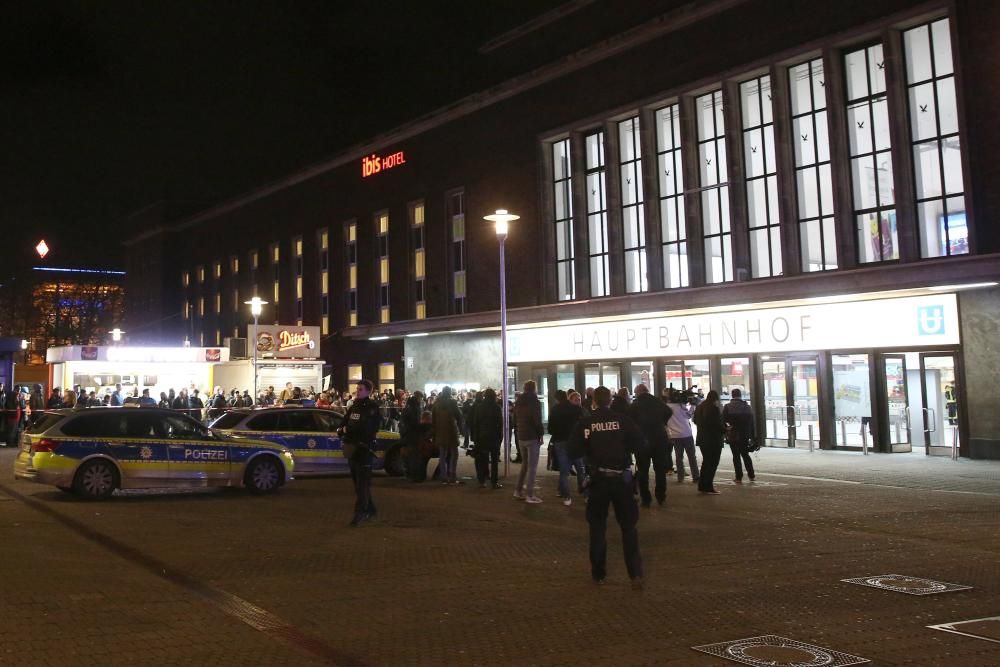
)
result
[(501, 220), (116, 335), (24, 349), (256, 306)]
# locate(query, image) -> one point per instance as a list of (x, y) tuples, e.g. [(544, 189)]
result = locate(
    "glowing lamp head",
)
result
[(24, 344), (42, 248), (502, 219), (116, 334), (256, 305)]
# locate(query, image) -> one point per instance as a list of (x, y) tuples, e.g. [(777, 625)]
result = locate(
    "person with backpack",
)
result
[(738, 418), (487, 434)]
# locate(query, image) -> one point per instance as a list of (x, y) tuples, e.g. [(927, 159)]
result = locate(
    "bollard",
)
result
[(843, 432), (810, 437), (898, 439), (864, 442), (954, 444)]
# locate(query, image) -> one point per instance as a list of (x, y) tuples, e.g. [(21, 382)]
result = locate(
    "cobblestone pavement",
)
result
[(467, 576)]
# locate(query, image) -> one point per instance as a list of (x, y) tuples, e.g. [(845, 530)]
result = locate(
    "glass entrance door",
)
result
[(791, 401), (939, 398), (898, 402)]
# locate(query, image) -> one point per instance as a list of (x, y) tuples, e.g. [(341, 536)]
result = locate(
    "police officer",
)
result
[(361, 422), (609, 440)]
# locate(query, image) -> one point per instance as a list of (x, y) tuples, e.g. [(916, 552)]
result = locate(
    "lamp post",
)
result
[(501, 220), (256, 306)]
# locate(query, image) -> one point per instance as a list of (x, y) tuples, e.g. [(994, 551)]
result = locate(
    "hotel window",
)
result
[(633, 218), (218, 303), (712, 170), (937, 152), (456, 214), (218, 336), (217, 270), (187, 310), (185, 279), (562, 187), (813, 181), (871, 156), (297, 247), (201, 306), (201, 274), (597, 215), (323, 242), (387, 377), (672, 221), (761, 179), (236, 300), (276, 272), (254, 260), (234, 265), (236, 332), (201, 338), (355, 372), (382, 236), (419, 260), (351, 248)]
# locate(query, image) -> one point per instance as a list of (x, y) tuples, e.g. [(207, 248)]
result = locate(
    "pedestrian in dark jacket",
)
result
[(487, 434), (708, 419), (652, 416), (447, 426), (55, 400), (620, 403), (409, 434), (528, 415), (562, 420), (738, 416)]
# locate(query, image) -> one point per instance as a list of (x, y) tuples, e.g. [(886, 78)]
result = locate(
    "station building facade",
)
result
[(795, 199)]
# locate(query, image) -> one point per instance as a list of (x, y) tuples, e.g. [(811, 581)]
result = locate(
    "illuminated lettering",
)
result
[(373, 164), (606, 426), (290, 340), (774, 330), (205, 454)]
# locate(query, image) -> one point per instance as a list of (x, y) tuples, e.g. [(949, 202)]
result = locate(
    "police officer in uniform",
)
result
[(609, 440), (358, 434)]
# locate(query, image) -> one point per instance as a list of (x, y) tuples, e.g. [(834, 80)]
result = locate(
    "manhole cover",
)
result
[(900, 583), (775, 651), (987, 629)]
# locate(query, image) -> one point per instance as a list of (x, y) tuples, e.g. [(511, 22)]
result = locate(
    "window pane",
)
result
[(947, 108), (941, 36), (927, 169), (951, 156), (917, 47)]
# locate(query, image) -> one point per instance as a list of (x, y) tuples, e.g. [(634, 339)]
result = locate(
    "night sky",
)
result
[(108, 106)]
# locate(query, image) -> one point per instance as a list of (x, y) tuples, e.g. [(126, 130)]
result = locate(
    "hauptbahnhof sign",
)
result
[(902, 322)]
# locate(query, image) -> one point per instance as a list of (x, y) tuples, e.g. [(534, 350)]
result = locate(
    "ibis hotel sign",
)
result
[(903, 322), (374, 163), (288, 342)]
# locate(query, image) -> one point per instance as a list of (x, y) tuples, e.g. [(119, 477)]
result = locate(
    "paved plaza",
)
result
[(466, 576)]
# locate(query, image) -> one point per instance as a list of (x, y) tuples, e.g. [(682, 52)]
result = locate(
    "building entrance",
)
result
[(933, 407), (791, 400)]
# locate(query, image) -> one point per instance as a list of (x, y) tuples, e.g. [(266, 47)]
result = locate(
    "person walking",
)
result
[(652, 417), (610, 441), (528, 417), (679, 430), (562, 420), (447, 421), (708, 419), (409, 436), (358, 433), (487, 433), (738, 418)]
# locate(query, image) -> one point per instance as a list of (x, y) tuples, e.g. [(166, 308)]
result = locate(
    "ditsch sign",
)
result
[(280, 341), (373, 164), (904, 322)]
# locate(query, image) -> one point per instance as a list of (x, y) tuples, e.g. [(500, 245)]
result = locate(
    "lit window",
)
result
[(672, 218), (714, 186), (354, 373), (937, 152), (633, 217), (351, 261), (387, 377), (323, 243), (297, 248), (597, 215), (234, 264), (185, 279), (419, 259), (236, 300), (456, 214), (276, 271), (254, 260), (201, 274), (187, 310), (201, 306), (870, 151), (562, 198), (382, 239), (218, 303), (217, 270), (763, 219), (813, 181)]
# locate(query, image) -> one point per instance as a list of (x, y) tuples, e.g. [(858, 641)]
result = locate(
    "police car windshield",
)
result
[(45, 422)]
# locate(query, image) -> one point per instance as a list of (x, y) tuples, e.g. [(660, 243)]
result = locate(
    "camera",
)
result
[(681, 396)]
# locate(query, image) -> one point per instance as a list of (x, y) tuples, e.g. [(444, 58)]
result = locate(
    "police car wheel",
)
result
[(394, 466), (96, 480), (263, 475)]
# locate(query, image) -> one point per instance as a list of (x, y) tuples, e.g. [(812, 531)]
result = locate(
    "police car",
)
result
[(311, 434), (92, 452)]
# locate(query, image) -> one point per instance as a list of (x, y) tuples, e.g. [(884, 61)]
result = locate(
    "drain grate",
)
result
[(775, 651), (987, 629), (900, 583)]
